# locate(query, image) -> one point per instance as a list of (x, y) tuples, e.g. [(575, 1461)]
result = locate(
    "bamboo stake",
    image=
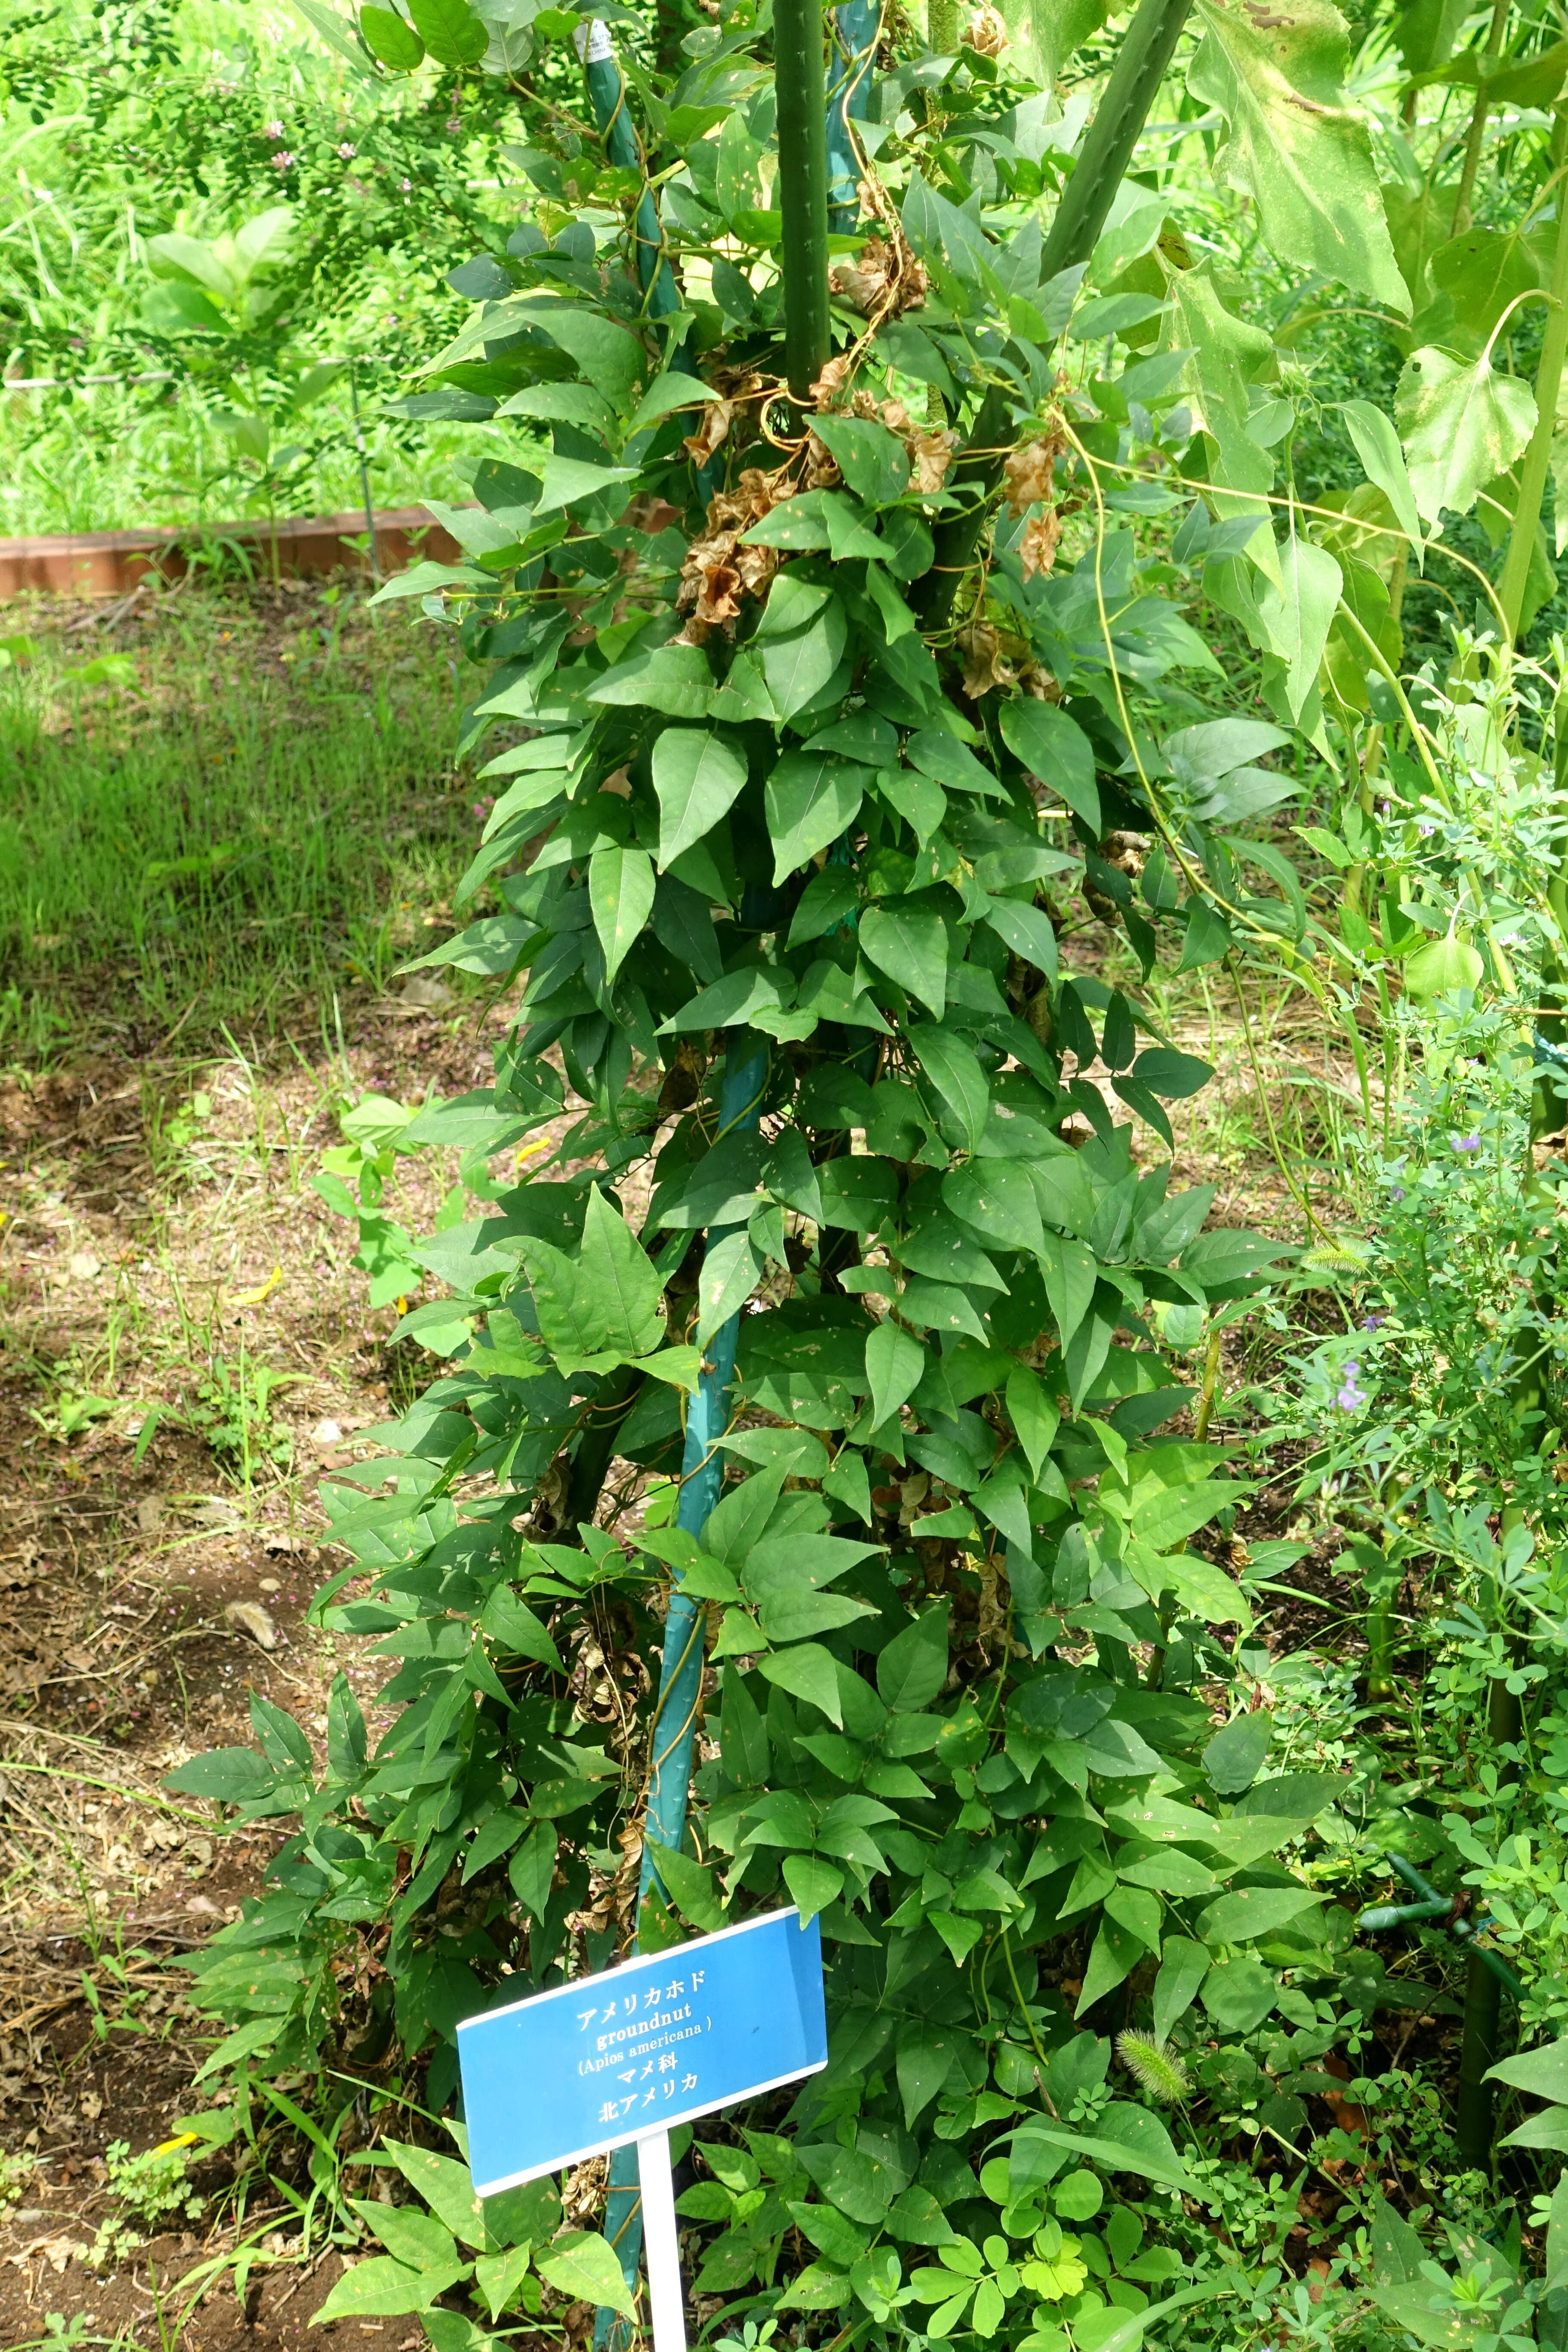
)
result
[(802, 86)]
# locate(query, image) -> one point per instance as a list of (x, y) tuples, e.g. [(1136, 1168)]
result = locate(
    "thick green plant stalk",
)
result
[(1141, 66), (1538, 455), (680, 1671), (803, 189)]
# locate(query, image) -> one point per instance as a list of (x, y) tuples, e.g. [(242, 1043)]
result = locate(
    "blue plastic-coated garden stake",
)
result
[(608, 96), (856, 25), (681, 1672)]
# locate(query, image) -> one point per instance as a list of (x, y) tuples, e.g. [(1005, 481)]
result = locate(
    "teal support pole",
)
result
[(856, 27), (608, 96), (681, 1672)]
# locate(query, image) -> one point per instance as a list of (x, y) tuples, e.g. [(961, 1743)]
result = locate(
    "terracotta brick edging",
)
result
[(107, 562)]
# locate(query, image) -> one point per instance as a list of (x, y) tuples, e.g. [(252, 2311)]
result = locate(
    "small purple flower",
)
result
[(283, 161), (1466, 1142), (275, 130), (1372, 1322), (1424, 828), (1396, 1191), (347, 150), (1350, 1396)]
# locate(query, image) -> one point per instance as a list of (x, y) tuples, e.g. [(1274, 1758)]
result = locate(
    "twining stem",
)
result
[(801, 83), (1477, 125), (680, 1671), (1141, 62), (1538, 456)]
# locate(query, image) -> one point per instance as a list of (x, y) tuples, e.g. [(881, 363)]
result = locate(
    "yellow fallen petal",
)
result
[(181, 2139), (255, 1297)]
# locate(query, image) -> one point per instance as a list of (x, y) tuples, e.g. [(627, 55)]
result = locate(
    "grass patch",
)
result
[(228, 805)]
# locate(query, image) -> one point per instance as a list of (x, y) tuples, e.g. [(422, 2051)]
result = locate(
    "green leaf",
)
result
[(1034, 1416), (1441, 968), (912, 1668), (532, 1867), (909, 942), (872, 460), (620, 893), (996, 1197), (1183, 1965), (831, 2233), (813, 1883), (1113, 1956), (895, 1362), (446, 2187), (1239, 1995), (1311, 582), (1295, 144), (809, 800), (229, 1774), (954, 1069), (696, 777), (1542, 2072), (1248, 1911), (510, 1621), (1054, 748), (1461, 425), (675, 679), (387, 36), (381, 2288), (1383, 464), (1026, 930), (797, 667), (568, 480), (584, 2266), (450, 31), (605, 1299), (1234, 1757), (807, 1671), (925, 2057), (499, 2277), (1070, 1273), (691, 1883), (732, 1269), (665, 394)]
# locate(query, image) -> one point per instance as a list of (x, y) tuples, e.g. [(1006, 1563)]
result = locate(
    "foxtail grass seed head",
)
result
[(1153, 2067)]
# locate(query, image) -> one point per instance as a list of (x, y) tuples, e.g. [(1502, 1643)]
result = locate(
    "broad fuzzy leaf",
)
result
[(1462, 425), (1295, 143)]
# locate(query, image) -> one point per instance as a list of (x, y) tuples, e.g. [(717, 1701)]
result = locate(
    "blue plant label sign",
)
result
[(609, 2059)]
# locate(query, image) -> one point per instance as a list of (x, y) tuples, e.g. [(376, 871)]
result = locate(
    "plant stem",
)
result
[(942, 28), (1140, 66), (1478, 126), (802, 87), (1538, 456), (681, 1672)]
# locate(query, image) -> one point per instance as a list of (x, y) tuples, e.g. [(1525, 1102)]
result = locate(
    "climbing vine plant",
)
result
[(811, 1508)]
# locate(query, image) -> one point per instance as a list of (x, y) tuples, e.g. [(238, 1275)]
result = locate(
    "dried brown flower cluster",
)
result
[(1028, 477), (994, 656), (718, 570), (986, 31), (885, 279)]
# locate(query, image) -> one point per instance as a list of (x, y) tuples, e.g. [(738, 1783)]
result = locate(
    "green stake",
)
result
[(802, 85)]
